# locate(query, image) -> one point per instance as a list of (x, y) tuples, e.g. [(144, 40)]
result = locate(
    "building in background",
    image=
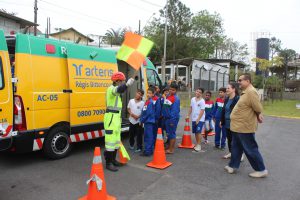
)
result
[(234, 67), (71, 35), (11, 24), (210, 74)]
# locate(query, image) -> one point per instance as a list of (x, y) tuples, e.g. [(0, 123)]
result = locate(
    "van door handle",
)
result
[(0, 109), (67, 91)]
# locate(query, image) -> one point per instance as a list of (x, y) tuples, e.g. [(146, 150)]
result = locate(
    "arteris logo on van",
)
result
[(95, 71)]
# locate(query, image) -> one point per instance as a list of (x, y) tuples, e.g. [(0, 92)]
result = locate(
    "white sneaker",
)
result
[(197, 147), (229, 170), (257, 174), (242, 158), (227, 156)]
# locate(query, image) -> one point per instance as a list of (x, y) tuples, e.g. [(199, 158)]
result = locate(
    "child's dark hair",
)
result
[(174, 85), (222, 89), (165, 89), (208, 92), (151, 89), (201, 89), (235, 86), (140, 91)]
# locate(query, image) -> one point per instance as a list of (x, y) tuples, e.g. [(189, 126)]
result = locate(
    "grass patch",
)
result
[(282, 108)]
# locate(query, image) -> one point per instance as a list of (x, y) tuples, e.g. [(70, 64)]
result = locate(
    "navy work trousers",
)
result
[(245, 142)]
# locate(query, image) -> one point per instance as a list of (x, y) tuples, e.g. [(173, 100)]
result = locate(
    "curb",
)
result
[(287, 117)]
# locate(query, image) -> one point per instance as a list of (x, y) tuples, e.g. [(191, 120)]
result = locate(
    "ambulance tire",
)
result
[(57, 144)]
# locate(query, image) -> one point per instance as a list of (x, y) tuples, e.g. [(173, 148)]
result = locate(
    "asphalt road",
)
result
[(192, 175)]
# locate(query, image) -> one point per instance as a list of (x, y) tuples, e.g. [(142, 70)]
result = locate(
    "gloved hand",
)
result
[(129, 82)]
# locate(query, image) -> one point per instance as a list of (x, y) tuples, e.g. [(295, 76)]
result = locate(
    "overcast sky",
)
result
[(241, 17)]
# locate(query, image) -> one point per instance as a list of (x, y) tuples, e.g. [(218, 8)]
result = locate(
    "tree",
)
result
[(10, 13), (275, 46), (264, 65), (115, 36), (274, 83), (179, 22), (199, 36), (207, 33), (230, 49), (287, 56), (258, 81)]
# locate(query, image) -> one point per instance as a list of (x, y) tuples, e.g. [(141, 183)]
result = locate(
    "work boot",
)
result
[(108, 155), (114, 161)]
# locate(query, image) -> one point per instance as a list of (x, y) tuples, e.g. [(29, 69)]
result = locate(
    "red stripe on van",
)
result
[(93, 134), (100, 133), (39, 143), (85, 136), (77, 138)]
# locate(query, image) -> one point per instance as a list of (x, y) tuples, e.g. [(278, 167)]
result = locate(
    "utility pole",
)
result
[(47, 31), (35, 16), (139, 27), (163, 66), (99, 41)]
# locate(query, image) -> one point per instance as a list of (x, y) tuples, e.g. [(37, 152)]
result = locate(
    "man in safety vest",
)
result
[(112, 119)]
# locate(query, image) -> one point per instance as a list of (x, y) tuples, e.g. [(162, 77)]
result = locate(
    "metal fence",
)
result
[(210, 79)]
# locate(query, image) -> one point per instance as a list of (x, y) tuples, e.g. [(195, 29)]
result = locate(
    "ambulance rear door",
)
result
[(6, 96), (90, 71)]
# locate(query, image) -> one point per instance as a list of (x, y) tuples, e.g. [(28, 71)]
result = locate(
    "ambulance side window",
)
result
[(1, 75)]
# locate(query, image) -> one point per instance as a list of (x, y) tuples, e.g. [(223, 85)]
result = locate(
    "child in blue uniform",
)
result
[(171, 113), (217, 118), (157, 105), (148, 119), (209, 108), (162, 123)]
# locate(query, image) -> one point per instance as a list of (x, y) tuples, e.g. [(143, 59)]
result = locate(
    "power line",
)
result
[(150, 3), (134, 5), (77, 12), (95, 21)]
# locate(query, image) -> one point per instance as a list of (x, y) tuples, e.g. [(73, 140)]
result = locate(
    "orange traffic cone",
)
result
[(122, 159), (96, 184), (159, 158), (187, 137)]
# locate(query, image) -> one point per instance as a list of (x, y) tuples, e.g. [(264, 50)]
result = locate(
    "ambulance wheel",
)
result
[(57, 144)]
